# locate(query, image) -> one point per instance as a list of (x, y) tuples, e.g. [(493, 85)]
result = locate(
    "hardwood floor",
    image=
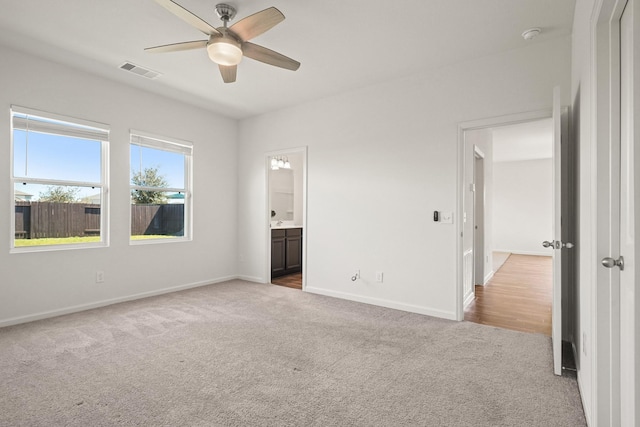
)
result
[(290, 281), (518, 296)]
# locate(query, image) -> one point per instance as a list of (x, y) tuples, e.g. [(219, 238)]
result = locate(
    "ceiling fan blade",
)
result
[(268, 56), (256, 24), (188, 17), (175, 47), (228, 73)]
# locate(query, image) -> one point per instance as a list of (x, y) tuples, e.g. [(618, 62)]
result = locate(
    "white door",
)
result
[(478, 218), (629, 189), (557, 244)]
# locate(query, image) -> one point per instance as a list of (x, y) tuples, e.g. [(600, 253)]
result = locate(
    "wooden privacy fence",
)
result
[(37, 220), (164, 220)]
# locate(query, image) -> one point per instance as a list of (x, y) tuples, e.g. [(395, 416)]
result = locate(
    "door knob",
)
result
[(556, 244), (610, 262)]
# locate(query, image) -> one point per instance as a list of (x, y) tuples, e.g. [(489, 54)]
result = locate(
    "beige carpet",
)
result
[(243, 354)]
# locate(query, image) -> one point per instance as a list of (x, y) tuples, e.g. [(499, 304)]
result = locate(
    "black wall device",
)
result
[(436, 216)]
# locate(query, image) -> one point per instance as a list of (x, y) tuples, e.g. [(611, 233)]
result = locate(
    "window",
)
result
[(59, 181), (160, 189)]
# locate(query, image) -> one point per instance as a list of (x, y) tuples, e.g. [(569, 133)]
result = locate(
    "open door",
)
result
[(556, 304), (559, 130)]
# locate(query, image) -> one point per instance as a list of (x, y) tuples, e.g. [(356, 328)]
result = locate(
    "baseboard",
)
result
[(585, 409), (515, 252), (103, 303), (251, 279), (384, 303), (468, 299), (488, 277)]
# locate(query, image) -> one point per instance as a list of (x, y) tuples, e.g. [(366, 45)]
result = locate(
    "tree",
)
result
[(59, 194), (149, 177)]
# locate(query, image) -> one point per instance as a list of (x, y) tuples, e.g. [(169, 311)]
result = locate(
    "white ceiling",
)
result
[(524, 141), (342, 45)]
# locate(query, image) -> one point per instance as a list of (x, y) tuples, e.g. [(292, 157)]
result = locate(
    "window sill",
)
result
[(53, 248)]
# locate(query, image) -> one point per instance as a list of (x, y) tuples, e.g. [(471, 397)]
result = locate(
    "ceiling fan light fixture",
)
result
[(224, 51)]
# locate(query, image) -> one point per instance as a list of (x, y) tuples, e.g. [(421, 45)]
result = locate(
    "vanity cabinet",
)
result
[(286, 251)]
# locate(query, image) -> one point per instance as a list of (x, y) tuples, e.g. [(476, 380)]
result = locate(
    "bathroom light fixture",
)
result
[(280, 163)]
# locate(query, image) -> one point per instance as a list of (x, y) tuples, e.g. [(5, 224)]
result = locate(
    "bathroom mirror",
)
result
[(281, 194)]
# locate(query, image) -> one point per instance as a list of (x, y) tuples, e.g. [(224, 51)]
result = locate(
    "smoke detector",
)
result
[(531, 33)]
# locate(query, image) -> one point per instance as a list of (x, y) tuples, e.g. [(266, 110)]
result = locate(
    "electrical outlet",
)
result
[(379, 276), (99, 276)]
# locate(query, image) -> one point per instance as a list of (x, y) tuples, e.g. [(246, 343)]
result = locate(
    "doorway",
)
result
[(286, 177), (512, 271)]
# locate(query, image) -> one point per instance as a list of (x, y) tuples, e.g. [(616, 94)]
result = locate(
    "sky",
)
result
[(66, 158)]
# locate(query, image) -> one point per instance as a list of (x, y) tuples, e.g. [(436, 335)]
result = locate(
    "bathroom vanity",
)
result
[(286, 250)]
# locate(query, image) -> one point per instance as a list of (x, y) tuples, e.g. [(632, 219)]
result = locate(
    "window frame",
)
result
[(102, 133), (170, 144)]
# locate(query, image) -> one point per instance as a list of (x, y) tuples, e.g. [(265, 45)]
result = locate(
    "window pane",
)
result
[(161, 219), (152, 167), (48, 156), (56, 215)]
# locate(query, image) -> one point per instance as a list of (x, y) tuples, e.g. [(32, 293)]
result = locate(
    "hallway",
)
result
[(518, 297)]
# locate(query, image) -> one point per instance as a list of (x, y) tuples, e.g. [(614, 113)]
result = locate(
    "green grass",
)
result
[(21, 243), (152, 236), (56, 241)]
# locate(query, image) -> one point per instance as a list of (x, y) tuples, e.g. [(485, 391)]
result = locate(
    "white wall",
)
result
[(34, 284), (380, 160), (522, 206), (297, 164)]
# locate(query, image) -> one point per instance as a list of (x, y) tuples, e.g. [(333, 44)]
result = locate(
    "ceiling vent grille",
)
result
[(141, 71)]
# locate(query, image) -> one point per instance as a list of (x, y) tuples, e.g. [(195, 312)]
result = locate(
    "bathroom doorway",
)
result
[(286, 217)]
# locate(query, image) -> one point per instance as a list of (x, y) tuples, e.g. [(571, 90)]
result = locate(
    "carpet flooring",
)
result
[(243, 354)]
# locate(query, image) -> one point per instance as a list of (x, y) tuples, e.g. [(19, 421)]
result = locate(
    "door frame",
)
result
[(603, 223), (629, 191), (464, 127), (267, 212)]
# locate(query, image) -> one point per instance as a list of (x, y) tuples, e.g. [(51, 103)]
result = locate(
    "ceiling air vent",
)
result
[(141, 71)]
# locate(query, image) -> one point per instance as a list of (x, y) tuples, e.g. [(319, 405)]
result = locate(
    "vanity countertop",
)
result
[(284, 226)]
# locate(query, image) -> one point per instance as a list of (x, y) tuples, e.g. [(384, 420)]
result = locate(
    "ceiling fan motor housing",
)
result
[(225, 12)]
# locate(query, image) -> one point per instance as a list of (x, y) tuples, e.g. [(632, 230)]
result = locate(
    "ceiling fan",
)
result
[(227, 46)]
